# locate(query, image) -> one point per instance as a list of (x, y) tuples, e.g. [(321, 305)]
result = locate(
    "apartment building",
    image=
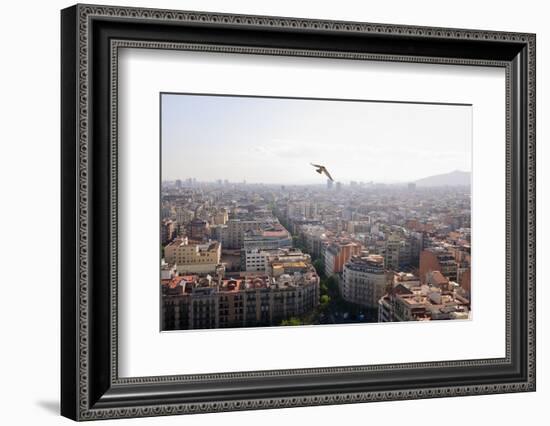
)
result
[(193, 257)]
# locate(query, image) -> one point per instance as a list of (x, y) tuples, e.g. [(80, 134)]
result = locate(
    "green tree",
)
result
[(292, 321), (325, 303), (332, 286), (319, 267), (323, 287)]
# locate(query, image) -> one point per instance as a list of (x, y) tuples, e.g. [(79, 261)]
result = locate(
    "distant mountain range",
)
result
[(456, 178)]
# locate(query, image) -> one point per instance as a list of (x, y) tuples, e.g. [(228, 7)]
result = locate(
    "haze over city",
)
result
[(273, 141)]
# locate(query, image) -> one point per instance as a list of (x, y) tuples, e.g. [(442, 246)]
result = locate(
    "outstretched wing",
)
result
[(316, 165), (327, 173)]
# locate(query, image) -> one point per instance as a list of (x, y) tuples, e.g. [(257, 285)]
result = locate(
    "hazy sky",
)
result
[(275, 140)]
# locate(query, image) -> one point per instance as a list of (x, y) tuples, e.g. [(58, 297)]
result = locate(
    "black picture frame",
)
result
[(90, 386)]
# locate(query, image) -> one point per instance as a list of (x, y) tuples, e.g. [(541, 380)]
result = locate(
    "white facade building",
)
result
[(364, 280)]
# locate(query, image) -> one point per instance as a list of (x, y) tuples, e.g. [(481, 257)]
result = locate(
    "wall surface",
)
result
[(29, 168)]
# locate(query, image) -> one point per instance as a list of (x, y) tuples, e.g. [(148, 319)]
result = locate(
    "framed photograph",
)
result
[(263, 212)]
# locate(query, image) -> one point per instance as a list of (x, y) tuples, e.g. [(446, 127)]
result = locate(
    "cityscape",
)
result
[(256, 253)]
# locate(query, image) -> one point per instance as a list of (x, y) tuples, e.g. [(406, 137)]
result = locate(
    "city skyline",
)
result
[(274, 140), (321, 183)]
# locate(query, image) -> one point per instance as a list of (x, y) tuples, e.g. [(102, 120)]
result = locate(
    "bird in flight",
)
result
[(321, 170)]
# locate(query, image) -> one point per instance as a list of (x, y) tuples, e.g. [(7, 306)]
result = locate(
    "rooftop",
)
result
[(436, 277), (372, 263)]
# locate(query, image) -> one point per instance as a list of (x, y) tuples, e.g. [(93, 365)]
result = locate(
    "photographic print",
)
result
[(296, 182), (282, 211)]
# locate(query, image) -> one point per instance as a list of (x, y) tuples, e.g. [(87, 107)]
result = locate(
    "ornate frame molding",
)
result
[(81, 18)]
